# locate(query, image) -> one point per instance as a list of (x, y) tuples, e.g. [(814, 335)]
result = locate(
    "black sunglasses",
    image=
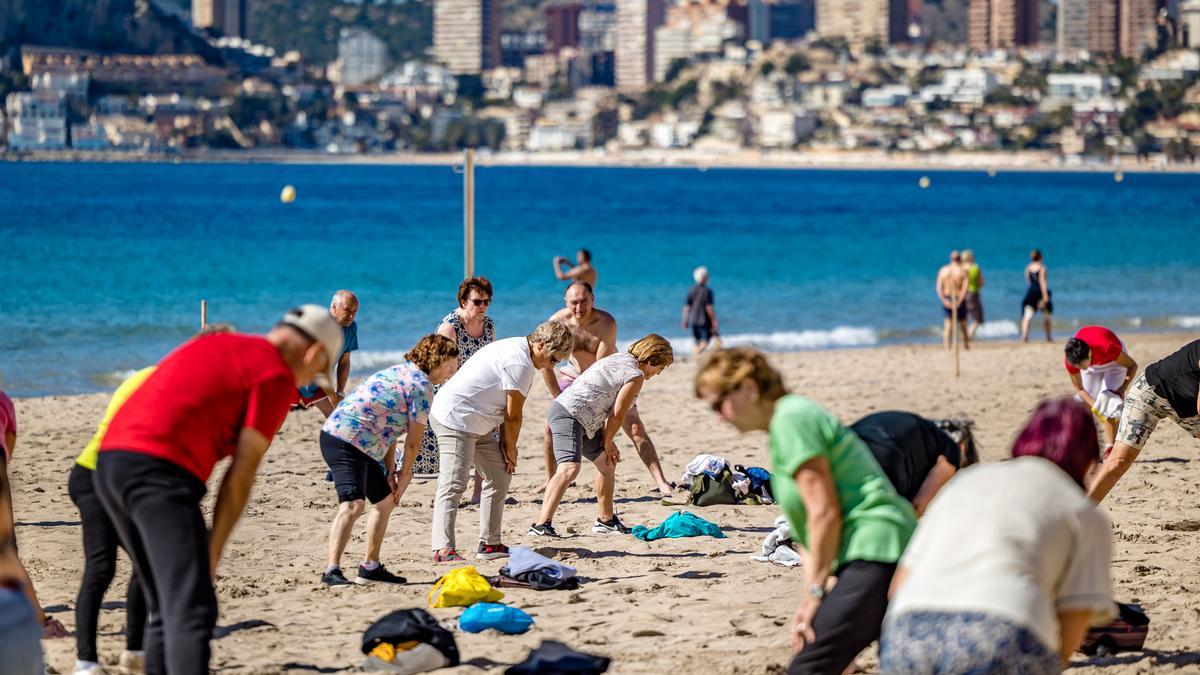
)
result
[(478, 302)]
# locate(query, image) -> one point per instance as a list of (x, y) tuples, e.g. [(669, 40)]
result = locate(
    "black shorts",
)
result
[(974, 307), (702, 333), (355, 475)]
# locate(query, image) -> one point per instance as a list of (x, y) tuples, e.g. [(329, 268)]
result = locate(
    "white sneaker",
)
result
[(88, 668), (132, 663)]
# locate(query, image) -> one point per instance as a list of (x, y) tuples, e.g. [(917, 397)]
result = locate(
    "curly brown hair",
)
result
[(432, 351), (480, 284), (726, 369)]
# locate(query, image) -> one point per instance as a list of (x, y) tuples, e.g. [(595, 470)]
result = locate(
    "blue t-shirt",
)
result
[(349, 344)]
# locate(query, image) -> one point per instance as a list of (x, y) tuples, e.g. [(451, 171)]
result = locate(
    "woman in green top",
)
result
[(842, 509)]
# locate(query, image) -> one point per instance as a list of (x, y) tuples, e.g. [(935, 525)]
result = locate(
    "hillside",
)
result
[(128, 26)]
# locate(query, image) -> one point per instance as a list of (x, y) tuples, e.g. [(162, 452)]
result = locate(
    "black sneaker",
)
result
[(379, 575), (614, 526), (546, 530), (335, 578)]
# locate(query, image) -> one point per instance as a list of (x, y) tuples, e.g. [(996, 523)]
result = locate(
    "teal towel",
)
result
[(680, 524)]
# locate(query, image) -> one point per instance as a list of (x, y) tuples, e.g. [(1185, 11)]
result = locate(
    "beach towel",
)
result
[(405, 629), (488, 615), (555, 657), (462, 587), (522, 559), (538, 580), (679, 524)]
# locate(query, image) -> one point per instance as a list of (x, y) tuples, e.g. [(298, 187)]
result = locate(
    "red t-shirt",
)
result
[(1105, 344), (191, 410)]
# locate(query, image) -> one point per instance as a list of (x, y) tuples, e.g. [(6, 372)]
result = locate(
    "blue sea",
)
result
[(103, 266)]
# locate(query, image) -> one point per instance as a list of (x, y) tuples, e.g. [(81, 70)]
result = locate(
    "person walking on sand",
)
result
[(698, 313), (344, 309), (585, 419), (362, 433), (1097, 363), (974, 300), (1037, 296), (488, 391), (216, 396), (582, 271), (951, 287), (595, 338)]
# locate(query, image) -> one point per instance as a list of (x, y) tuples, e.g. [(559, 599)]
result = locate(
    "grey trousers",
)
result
[(457, 452)]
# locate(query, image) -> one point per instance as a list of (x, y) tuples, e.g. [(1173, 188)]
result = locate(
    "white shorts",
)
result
[(1109, 376)]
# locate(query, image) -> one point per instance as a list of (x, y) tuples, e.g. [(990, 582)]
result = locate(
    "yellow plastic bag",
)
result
[(462, 587)]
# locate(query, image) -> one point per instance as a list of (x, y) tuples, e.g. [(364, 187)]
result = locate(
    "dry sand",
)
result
[(694, 604)]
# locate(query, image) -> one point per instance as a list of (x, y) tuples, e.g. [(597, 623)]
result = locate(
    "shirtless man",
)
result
[(952, 283), (582, 271), (595, 337)]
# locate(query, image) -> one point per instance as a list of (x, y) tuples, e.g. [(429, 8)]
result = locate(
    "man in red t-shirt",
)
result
[(216, 396), (1097, 362)]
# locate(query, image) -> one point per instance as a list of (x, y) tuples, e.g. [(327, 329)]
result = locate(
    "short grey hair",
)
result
[(344, 297), (700, 274), (556, 337)]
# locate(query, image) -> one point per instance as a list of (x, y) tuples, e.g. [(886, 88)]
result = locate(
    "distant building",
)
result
[(758, 21), (562, 26), (518, 45), (1077, 87), (37, 121), (1137, 24), (598, 42), (961, 85), (863, 21), (466, 34), (1189, 18), (230, 18), (147, 73), (1002, 24), (791, 19), (70, 83), (362, 57), (636, 23), (1087, 26)]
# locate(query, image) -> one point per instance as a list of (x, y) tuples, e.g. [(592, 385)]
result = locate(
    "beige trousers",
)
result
[(458, 451)]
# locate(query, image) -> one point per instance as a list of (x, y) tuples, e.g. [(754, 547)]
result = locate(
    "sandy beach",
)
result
[(694, 604)]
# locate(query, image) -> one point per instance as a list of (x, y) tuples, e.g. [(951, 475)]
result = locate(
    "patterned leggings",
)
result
[(966, 643)]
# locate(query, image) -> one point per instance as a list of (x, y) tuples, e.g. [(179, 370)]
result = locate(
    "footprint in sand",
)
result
[(1183, 526)]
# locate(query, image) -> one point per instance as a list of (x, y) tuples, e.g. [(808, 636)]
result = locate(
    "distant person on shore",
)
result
[(471, 329), (841, 507), (1037, 296), (974, 285), (595, 338), (344, 309), (51, 628), (215, 396), (1166, 390), (1010, 564), (363, 431), (918, 455), (1099, 369), (582, 271), (488, 391), (585, 419), (952, 284), (699, 315)]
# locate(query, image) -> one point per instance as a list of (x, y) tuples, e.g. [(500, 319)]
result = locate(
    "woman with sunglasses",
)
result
[(840, 505), (471, 329)]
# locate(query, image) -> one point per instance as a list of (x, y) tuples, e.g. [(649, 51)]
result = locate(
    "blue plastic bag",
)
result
[(484, 615)]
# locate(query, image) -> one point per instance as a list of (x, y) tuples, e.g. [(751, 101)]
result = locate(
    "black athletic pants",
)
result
[(849, 619), (100, 565), (155, 507)]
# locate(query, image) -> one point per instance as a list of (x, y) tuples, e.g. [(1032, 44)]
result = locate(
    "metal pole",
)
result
[(469, 214), (203, 314)]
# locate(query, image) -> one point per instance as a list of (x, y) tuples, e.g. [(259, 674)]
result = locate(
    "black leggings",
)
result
[(155, 507), (100, 565), (849, 619)]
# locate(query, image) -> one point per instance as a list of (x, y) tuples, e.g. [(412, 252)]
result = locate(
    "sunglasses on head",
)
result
[(481, 302)]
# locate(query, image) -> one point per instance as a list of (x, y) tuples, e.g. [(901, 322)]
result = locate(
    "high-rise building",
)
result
[(861, 21), (1189, 20), (466, 34), (758, 21), (598, 42), (636, 22), (791, 19), (362, 57), (1137, 26), (230, 18), (1002, 24), (562, 26), (1088, 25)]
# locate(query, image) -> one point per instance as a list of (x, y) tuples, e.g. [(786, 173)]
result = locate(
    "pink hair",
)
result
[(1062, 431)]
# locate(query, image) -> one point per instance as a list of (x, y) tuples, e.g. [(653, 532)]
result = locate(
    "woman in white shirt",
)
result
[(1010, 564), (585, 418)]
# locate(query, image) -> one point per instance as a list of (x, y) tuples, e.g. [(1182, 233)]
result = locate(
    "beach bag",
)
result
[(404, 631), (555, 657), (462, 587), (484, 615), (709, 491), (760, 480), (1126, 633)]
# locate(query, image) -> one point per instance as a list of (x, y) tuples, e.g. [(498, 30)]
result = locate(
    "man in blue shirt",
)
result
[(343, 308)]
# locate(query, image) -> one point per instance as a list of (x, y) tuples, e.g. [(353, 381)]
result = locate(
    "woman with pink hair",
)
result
[(1010, 564)]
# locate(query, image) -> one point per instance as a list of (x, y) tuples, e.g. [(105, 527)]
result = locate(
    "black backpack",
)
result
[(406, 625)]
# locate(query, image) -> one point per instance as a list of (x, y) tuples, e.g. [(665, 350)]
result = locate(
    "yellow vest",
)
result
[(87, 458)]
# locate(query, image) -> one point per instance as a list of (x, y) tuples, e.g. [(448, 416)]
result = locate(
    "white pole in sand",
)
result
[(469, 214), (203, 314), (954, 329)]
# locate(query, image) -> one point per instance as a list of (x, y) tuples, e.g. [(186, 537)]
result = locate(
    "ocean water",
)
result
[(103, 266)]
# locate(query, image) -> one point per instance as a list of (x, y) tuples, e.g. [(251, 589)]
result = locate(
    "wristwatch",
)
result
[(817, 591)]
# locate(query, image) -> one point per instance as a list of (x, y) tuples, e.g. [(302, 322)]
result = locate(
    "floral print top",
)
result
[(378, 411)]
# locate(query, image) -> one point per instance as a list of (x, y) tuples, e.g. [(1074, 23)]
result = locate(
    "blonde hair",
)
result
[(654, 350), (968, 255), (726, 369), (431, 352), (556, 337)]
